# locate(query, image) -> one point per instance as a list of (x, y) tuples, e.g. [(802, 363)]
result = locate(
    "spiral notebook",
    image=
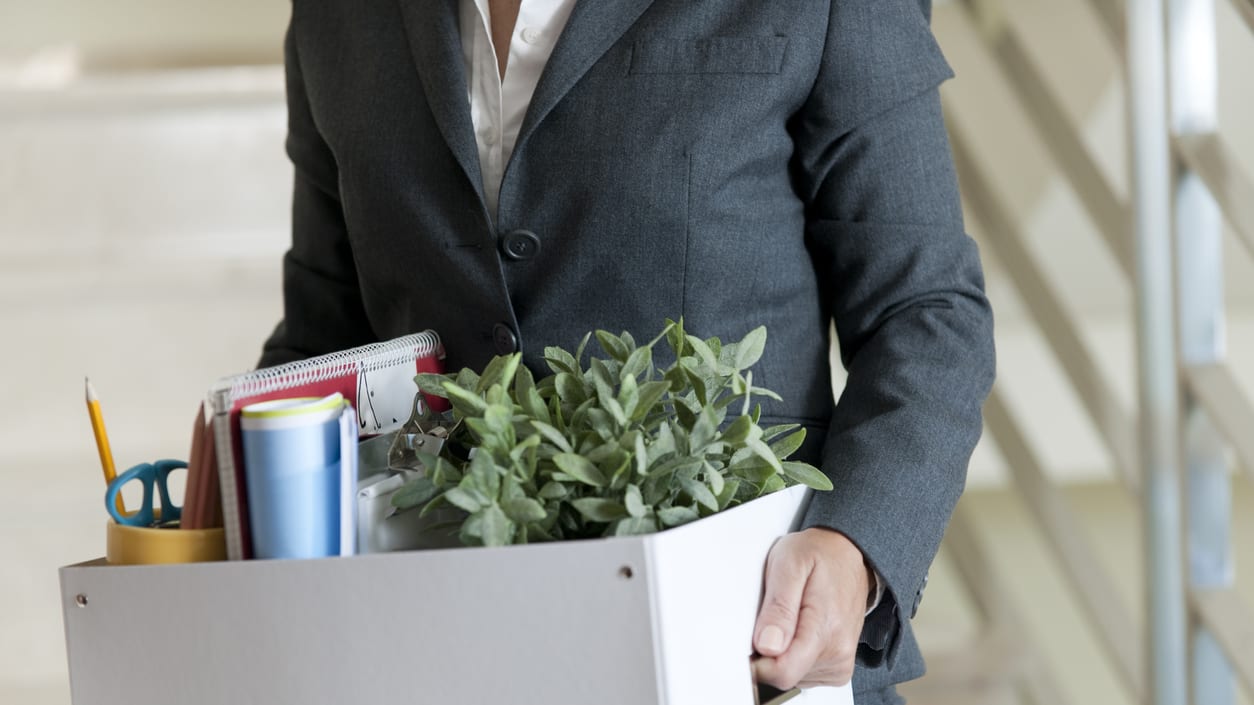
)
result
[(377, 379)]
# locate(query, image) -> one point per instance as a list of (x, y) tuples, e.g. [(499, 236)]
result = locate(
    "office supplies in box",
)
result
[(377, 379)]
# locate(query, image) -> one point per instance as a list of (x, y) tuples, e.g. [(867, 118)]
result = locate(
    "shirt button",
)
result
[(531, 35), (520, 245), (504, 339)]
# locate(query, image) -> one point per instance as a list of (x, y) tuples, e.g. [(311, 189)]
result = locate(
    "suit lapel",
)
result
[(593, 27), (435, 42)]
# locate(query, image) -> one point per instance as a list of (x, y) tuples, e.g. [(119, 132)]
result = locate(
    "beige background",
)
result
[(143, 211)]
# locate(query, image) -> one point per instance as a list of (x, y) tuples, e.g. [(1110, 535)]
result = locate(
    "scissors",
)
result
[(150, 474)]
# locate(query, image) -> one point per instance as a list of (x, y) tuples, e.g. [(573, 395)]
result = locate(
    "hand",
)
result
[(807, 632)]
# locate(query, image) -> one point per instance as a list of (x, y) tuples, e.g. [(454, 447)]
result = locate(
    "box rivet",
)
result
[(625, 572), (80, 600)]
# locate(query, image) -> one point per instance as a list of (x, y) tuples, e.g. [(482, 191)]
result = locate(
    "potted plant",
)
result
[(618, 447)]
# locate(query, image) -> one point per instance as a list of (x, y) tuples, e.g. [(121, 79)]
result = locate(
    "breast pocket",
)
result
[(761, 55)]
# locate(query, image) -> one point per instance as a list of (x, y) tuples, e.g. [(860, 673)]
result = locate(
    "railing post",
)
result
[(1193, 68), (1157, 372)]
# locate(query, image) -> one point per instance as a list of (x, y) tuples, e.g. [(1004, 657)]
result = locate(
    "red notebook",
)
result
[(378, 379)]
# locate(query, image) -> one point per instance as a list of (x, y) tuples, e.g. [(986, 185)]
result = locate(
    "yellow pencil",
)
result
[(102, 440)]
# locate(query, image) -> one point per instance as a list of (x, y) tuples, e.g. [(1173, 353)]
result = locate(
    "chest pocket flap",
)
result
[(712, 55)]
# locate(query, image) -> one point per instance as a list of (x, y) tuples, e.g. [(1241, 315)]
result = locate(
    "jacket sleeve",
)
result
[(322, 301), (905, 288)]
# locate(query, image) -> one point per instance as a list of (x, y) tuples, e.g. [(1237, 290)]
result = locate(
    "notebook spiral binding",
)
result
[(367, 358)]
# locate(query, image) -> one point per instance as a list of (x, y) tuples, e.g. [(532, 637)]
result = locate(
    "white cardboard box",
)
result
[(665, 619)]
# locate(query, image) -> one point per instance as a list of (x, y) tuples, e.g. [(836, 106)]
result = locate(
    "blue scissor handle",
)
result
[(149, 474)]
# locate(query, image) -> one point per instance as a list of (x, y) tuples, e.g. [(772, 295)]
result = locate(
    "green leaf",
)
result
[(703, 432), (774, 432), (467, 379), (616, 411), (775, 484), (499, 419), (738, 431), (753, 469), (635, 526), (728, 494), (716, 346), (663, 442), (628, 396), (528, 396), (436, 502), (583, 345), (552, 435), (695, 380), (675, 336), (580, 468), (641, 453), (485, 476), (789, 444), (634, 501), (699, 492), (496, 528), (807, 475), (764, 392), (570, 389), (714, 479), (675, 516), (703, 351), (650, 394), (415, 492), (465, 403), (764, 452), (499, 371), (598, 509), (523, 510), (680, 465), (462, 499), (749, 350), (670, 325), (432, 384), (602, 422), (526, 445), (619, 474), (637, 363), (553, 490), (684, 414), (560, 361), (612, 345)]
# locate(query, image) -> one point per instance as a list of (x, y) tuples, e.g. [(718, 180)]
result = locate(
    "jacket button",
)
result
[(520, 244), (504, 339)]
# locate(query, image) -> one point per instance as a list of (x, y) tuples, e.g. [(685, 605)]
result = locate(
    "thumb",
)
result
[(786, 577)]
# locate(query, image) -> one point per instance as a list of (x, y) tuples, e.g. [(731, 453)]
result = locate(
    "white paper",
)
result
[(348, 481)]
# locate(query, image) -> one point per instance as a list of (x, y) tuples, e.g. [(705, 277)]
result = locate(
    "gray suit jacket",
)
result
[(734, 162)]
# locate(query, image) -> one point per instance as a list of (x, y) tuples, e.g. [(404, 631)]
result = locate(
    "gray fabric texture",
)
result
[(734, 162)]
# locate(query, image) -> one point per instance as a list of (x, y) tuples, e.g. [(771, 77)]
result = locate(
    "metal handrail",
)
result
[(1226, 616), (1229, 408), (1232, 189), (1229, 625)]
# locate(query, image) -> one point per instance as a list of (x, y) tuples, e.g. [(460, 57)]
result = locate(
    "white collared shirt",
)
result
[(497, 107)]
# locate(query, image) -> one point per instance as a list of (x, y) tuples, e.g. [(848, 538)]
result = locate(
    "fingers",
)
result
[(787, 670), (816, 587), (786, 577)]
